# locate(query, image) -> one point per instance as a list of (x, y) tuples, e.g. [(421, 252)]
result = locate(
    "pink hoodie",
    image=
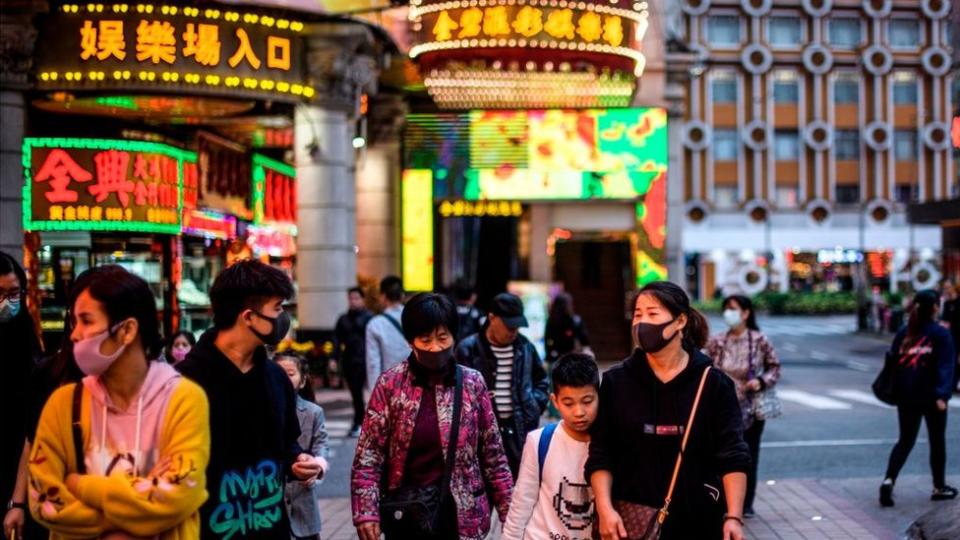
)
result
[(124, 441)]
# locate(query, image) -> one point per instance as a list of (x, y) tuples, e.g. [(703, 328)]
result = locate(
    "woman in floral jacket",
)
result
[(407, 427), (748, 357)]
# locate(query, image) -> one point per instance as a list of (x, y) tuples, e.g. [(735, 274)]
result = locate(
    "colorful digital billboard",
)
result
[(496, 157), (540, 154)]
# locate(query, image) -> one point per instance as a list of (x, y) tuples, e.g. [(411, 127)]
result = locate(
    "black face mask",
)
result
[(280, 326), (434, 360), (650, 336)]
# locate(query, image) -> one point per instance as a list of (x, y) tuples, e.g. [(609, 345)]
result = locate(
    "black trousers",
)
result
[(448, 527), (752, 437), (512, 446), (355, 373), (909, 416)]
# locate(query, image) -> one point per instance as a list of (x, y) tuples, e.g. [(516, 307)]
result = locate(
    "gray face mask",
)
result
[(9, 309)]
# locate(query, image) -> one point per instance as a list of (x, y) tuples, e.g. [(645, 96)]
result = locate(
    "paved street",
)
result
[(821, 462)]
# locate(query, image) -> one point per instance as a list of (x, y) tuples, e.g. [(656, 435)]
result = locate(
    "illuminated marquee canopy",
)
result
[(171, 48), (529, 53), (103, 185)]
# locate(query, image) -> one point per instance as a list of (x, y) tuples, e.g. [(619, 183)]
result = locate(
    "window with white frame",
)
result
[(903, 33), (725, 196), (846, 144), (905, 88), (905, 144), (723, 87), (723, 30), (845, 32), (846, 88), (726, 144), (786, 145), (787, 197), (786, 88), (784, 32)]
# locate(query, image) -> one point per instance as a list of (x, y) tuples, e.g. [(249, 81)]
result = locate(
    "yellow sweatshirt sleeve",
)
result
[(52, 458), (153, 503)]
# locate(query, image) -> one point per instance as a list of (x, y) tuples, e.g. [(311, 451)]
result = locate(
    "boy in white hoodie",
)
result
[(551, 498)]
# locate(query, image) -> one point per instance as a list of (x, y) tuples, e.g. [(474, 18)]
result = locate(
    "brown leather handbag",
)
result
[(646, 522)]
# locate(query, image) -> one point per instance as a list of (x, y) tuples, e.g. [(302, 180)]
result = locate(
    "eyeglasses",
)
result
[(11, 295)]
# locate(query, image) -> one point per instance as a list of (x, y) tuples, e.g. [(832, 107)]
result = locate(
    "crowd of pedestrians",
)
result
[(122, 434)]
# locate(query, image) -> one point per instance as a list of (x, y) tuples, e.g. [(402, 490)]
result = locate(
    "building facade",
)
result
[(809, 126)]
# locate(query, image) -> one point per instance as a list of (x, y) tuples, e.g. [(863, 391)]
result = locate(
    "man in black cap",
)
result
[(512, 370)]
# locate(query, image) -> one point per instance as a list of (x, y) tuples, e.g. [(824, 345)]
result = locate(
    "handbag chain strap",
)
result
[(662, 514)]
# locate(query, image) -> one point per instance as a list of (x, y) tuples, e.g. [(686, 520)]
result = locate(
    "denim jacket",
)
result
[(480, 473)]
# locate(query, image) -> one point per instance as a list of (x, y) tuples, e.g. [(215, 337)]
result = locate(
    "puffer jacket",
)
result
[(530, 395), (480, 472)]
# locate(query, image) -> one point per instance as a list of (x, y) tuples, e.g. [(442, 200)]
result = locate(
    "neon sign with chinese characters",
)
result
[(102, 185), (176, 48), (274, 191)]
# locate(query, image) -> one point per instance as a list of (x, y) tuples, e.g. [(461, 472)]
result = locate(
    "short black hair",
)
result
[(124, 295), (575, 370), (248, 284), (462, 290), (426, 312), (357, 290), (392, 288)]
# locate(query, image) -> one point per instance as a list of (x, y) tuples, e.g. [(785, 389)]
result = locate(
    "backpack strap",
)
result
[(395, 323), (544, 445), (77, 428)]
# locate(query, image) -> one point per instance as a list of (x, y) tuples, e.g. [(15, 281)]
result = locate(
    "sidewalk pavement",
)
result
[(795, 509)]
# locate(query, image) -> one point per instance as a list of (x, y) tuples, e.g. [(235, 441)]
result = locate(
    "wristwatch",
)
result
[(11, 504)]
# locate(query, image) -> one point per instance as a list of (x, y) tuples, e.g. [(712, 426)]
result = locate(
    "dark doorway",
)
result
[(597, 274), (482, 251)]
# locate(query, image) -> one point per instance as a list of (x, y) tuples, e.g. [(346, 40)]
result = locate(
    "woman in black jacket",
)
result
[(925, 357), (632, 455)]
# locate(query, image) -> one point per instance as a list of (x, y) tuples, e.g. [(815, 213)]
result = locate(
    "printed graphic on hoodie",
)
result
[(248, 502)]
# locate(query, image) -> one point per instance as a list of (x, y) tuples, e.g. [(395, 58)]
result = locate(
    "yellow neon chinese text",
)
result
[(244, 51), (589, 27), (470, 21), (202, 42), (528, 22), (278, 53), (560, 24), (156, 42), (496, 22)]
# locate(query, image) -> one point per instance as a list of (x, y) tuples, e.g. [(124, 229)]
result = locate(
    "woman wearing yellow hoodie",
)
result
[(144, 438)]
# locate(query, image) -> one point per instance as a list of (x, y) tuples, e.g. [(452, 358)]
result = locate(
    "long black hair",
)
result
[(745, 304), (124, 296), (676, 301), (562, 308), (168, 343), (922, 310), (21, 326)]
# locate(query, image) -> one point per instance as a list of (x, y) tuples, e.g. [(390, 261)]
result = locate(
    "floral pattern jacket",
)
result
[(747, 356), (480, 473)]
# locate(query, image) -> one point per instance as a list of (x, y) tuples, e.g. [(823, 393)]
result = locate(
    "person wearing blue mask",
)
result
[(21, 350)]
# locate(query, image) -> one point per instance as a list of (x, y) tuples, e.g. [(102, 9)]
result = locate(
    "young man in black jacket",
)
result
[(253, 416), (512, 370), (350, 348)]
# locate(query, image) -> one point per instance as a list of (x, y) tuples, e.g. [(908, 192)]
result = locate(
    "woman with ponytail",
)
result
[(655, 401), (924, 353)]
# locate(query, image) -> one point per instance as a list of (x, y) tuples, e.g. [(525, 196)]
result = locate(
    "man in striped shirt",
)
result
[(512, 370)]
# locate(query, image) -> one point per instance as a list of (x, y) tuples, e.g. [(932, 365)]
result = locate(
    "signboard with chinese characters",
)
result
[(529, 53), (274, 191), (173, 49), (102, 185)]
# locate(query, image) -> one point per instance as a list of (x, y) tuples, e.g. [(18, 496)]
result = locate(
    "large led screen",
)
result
[(540, 154)]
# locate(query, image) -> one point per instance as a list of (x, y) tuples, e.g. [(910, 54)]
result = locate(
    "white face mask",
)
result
[(732, 317)]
